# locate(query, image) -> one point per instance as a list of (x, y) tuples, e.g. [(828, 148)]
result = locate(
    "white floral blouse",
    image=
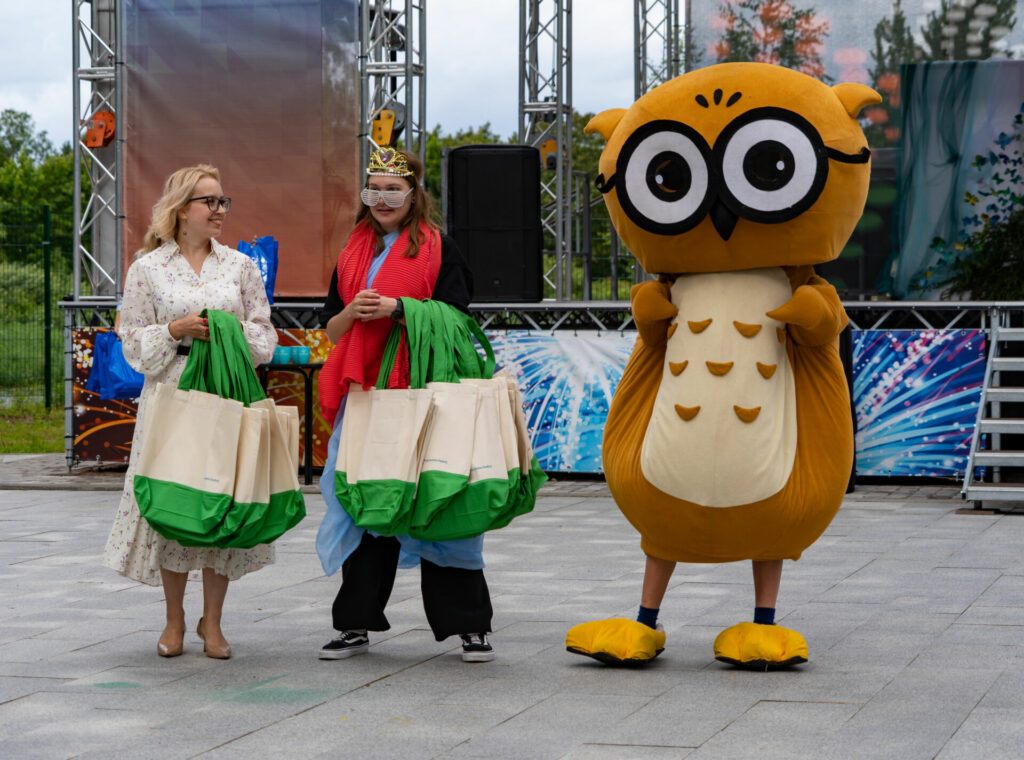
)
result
[(159, 288)]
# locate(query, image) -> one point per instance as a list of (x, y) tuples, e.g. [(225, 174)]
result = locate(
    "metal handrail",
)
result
[(993, 352)]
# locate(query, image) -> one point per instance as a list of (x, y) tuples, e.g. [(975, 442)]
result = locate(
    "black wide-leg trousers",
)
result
[(455, 600)]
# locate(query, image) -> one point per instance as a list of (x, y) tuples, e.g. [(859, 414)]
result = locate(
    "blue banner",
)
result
[(916, 395)]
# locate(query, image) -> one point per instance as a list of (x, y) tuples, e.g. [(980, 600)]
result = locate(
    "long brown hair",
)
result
[(177, 190), (421, 212)]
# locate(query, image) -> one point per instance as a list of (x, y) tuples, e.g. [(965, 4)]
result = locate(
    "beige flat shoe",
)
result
[(216, 652)]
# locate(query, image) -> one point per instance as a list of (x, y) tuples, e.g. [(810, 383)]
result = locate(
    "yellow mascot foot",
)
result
[(616, 641), (760, 647)]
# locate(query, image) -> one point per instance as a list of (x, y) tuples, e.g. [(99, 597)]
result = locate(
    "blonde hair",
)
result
[(177, 190), (421, 212)]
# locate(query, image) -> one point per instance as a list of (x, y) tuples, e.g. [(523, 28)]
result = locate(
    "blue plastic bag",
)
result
[(111, 376), (263, 250)]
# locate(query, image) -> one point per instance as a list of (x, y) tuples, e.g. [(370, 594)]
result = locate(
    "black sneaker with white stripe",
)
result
[(345, 644), (475, 648)]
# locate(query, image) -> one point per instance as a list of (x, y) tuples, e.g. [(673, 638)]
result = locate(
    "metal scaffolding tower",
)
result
[(97, 63), (545, 122), (393, 70), (656, 27)]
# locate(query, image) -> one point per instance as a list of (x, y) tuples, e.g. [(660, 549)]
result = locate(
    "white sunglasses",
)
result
[(392, 198)]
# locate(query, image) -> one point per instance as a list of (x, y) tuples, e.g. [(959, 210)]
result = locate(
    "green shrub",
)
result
[(993, 267), (22, 288)]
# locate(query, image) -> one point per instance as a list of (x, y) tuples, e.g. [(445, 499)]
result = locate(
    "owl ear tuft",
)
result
[(605, 122), (855, 96)]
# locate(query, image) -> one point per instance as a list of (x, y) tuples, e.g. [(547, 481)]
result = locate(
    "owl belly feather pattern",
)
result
[(723, 428)]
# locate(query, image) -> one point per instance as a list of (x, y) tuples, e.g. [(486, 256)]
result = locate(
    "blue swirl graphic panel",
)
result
[(567, 381), (916, 395)]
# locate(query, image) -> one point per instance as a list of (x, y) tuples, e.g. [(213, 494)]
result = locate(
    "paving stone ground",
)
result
[(913, 613)]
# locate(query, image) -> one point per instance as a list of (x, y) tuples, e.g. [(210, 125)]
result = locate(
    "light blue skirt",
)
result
[(339, 536)]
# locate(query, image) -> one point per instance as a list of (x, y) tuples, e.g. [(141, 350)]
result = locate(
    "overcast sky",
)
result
[(472, 56), (472, 61)]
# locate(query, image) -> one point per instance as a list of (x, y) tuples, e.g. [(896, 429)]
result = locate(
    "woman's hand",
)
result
[(387, 306), (191, 324), (368, 305), (363, 305)]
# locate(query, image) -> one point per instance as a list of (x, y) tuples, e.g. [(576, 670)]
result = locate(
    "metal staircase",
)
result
[(991, 425)]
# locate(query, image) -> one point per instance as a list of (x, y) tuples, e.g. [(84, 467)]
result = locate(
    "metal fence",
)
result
[(35, 271)]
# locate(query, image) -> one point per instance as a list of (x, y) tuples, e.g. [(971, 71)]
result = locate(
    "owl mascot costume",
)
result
[(730, 435)]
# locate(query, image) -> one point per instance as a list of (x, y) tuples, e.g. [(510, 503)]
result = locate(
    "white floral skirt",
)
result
[(137, 551)]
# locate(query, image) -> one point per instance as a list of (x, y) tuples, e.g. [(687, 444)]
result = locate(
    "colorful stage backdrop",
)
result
[(267, 91), (916, 394)]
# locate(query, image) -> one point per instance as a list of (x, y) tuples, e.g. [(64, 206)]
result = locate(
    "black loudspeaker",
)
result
[(860, 264), (492, 210)]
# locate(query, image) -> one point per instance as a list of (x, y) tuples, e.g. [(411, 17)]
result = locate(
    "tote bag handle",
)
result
[(223, 364)]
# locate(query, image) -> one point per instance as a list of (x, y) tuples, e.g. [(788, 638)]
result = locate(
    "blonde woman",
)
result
[(180, 271)]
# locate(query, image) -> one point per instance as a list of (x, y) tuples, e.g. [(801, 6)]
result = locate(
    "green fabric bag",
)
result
[(185, 471), (502, 485), (380, 450), (222, 365), (264, 499), (263, 520), (454, 503), (472, 475)]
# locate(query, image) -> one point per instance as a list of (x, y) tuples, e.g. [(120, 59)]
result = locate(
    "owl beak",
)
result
[(723, 219)]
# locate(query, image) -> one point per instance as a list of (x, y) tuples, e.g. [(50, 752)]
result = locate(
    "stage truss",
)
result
[(545, 122), (393, 69), (97, 63), (656, 32)]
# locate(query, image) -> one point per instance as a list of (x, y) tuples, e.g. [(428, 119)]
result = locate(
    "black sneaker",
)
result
[(475, 648), (345, 644)]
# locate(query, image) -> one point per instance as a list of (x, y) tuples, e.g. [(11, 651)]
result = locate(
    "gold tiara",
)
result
[(388, 162)]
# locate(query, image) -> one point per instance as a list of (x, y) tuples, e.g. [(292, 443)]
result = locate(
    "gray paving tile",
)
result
[(778, 729), (912, 613), (991, 733), (914, 716), (626, 752)]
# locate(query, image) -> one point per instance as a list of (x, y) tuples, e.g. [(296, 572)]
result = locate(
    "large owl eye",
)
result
[(774, 165), (663, 168)]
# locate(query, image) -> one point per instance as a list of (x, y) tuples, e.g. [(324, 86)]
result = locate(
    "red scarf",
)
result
[(357, 356)]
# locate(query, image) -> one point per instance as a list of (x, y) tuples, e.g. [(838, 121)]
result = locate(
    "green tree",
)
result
[(18, 135), (32, 173), (894, 45), (436, 141), (772, 31), (958, 32)]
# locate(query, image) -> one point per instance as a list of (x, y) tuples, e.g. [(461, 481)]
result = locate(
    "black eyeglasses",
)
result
[(213, 202)]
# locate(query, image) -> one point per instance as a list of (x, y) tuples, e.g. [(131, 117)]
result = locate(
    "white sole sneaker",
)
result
[(477, 656), (341, 654)]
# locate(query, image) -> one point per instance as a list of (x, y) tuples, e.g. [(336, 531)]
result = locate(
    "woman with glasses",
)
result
[(181, 270), (395, 250)]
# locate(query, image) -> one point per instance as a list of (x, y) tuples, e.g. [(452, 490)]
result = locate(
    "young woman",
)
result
[(396, 250), (180, 271)]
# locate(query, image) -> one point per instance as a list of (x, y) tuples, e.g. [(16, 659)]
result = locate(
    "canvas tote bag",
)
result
[(250, 497), (531, 476), (185, 474), (447, 452), (476, 506), (380, 450), (265, 498), (285, 506)]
